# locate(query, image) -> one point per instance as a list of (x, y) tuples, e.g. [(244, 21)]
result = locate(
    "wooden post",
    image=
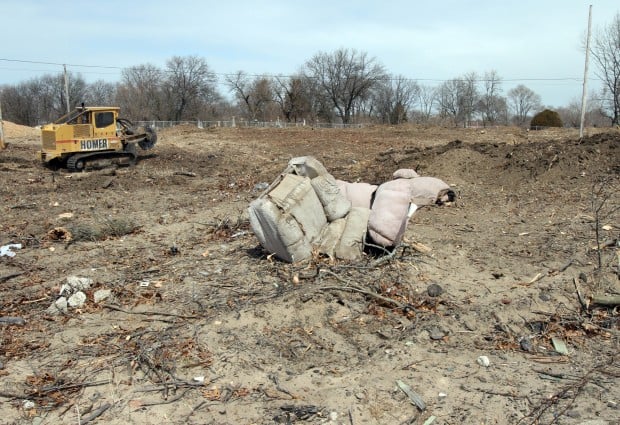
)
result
[(585, 75)]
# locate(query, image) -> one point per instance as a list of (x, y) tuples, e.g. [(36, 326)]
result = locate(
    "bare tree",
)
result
[(344, 77), (293, 96), (53, 98), (522, 101), (256, 95), (100, 93), (140, 93), (492, 105), (189, 84), (263, 95), (239, 83), (606, 53), (393, 99), (426, 100), (469, 97), (20, 104), (571, 113), (457, 99), (447, 99)]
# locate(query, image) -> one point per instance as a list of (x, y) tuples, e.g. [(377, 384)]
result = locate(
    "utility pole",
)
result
[(67, 90), (2, 145), (585, 75)]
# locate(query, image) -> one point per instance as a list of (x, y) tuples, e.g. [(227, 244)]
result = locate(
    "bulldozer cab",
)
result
[(104, 119)]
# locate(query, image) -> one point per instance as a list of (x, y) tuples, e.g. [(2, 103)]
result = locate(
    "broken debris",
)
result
[(6, 250)]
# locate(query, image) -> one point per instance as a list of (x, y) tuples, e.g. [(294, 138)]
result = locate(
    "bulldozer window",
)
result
[(104, 119)]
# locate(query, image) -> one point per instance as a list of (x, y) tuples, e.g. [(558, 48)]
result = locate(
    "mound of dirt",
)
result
[(16, 130)]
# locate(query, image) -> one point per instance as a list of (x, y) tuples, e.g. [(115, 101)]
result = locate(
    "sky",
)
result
[(537, 43)]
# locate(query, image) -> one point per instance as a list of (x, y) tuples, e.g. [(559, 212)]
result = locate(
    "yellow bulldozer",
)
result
[(92, 137)]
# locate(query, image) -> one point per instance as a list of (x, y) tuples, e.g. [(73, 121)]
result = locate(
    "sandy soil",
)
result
[(203, 326)]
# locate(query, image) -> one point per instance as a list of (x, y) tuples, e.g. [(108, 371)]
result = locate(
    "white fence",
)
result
[(243, 123)]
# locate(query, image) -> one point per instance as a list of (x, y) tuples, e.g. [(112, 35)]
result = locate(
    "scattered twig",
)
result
[(66, 409), (149, 364), (584, 305), (8, 320), (276, 381), (546, 360), (552, 374), (554, 159), (491, 392), (173, 384), (23, 206), (568, 392), (421, 248), (388, 254), (194, 409), (10, 276), (95, 413), (35, 301), (413, 396), (55, 388), (156, 313), (168, 401), (184, 173), (352, 288), (365, 292), (9, 395), (535, 279), (107, 183), (566, 265), (607, 300)]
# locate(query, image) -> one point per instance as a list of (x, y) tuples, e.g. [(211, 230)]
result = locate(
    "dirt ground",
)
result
[(203, 326)]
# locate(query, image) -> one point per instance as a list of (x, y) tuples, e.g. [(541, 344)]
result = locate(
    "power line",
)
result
[(269, 75), (60, 64), (50, 71)]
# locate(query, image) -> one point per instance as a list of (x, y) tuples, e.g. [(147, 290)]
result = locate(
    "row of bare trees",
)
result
[(343, 86)]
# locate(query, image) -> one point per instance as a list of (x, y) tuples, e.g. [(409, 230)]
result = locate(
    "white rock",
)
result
[(77, 300), (101, 295), (79, 283), (59, 306), (53, 310), (483, 361), (28, 404)]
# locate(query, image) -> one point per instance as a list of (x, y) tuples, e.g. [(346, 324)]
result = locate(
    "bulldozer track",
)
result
[(80, 162)]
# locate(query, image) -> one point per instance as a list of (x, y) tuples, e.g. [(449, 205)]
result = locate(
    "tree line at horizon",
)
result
[(344, 86)]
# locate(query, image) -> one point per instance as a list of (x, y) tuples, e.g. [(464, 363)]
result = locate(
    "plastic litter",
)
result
[(5, 250)]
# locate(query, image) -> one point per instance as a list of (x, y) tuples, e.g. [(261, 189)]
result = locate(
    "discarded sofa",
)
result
[(305, 211)]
